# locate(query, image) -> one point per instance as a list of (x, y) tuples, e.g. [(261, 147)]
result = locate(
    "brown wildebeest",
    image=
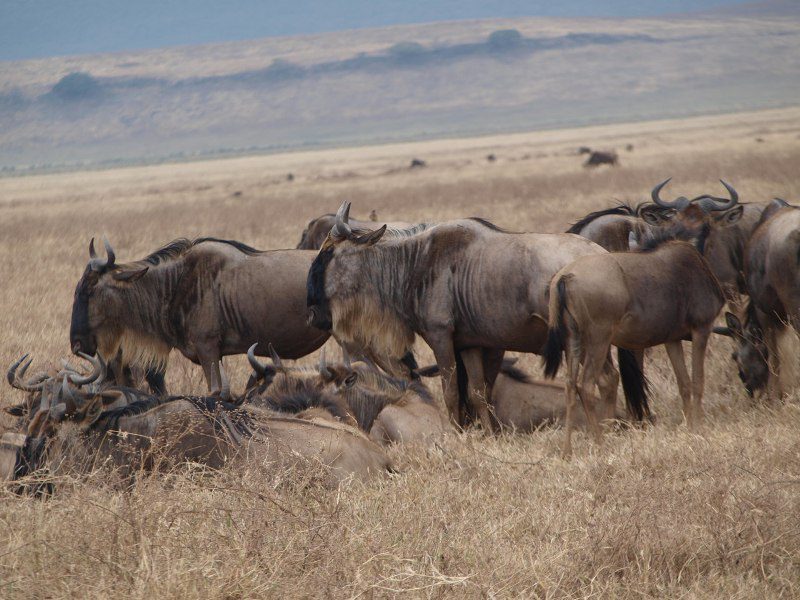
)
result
[(600, 157), (633, 300), (318, 229), (208, 298), (523, 404), (206, 430), (464, 286), (388, 409), (611, 227), (773, 282)]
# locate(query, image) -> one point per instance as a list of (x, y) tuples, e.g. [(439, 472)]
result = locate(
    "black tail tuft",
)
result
[(633, 384), (553, 350)]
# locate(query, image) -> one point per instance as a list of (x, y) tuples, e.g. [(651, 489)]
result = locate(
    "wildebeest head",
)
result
[(751, 354), (341, 241), (684, 219), (98, 304)]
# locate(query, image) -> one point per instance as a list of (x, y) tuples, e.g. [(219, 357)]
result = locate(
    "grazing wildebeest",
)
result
[(387, 408), (152, 431), (600, 157), (523, 404), (318, 229), (464, 286), (752, 353), (773, 283), (634, 300), (208, 298)]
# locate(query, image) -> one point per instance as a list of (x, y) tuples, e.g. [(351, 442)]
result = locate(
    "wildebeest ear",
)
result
[(129, 276), (731, 216), (733, 322), (17, 410), (92, 410), (370, 238)]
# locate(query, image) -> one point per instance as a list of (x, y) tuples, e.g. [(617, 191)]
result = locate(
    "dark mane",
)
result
[(489, 224), (181, 245), (621, 209), (661, 236), (109, 419), (294, 395)]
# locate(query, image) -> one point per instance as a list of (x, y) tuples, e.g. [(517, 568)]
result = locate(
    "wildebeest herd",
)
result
[(631, 277)]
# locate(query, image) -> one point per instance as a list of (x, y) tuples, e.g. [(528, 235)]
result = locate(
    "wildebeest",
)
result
[(600, 157), (464, 286), (523, 404), (611, 227), (151, 431), (773, 283), (633, 300), (387, 408), (207, 297), (318, 229)]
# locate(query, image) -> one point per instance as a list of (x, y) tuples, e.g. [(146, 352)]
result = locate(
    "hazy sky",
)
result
[(39, 28)]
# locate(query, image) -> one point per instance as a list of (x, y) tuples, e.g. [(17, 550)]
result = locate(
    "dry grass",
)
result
[(651, 513)]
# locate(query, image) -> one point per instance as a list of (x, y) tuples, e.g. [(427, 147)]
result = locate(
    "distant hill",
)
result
[(397, 83), (766, 8)]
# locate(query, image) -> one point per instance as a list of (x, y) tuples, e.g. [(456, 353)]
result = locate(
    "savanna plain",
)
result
[(653, 512)]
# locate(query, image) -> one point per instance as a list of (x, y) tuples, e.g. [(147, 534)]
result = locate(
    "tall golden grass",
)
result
[(650, 513)]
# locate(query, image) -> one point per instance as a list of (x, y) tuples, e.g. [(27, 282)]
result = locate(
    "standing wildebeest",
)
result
[(317, 230), (464, 286), (772, 271), (599, 157), (611, 227), (634, 300), (208, 298)]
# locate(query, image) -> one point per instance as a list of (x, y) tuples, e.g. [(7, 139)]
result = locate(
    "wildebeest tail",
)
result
[(553, 350), (634, 385)]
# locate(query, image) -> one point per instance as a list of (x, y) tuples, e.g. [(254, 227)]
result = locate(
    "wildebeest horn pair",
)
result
[(260, 368), (342, 229), (15, 378), (110, 261), (98, 371), (707, 202)]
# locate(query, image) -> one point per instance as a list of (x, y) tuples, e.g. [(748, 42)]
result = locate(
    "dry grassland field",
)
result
[(652, 513)]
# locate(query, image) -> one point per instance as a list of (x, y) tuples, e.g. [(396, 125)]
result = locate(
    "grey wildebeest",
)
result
[(464, 286), (611, 227), (317, 229), (635, 300), (600, 157), (772, 272), (208, 298), (387, 408)]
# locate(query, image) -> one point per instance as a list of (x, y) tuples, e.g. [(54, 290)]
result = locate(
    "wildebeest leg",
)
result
[(699, 343), (492, 363), (573, 357), (608, 383), (444, 353), (675, 353), (156, 380), (594, 358), (473, 362)]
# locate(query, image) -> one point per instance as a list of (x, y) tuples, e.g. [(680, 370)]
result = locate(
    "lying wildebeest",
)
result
[(387, 408), (208, 298), (318, 229), (464, 286), (206, 430), (599, 157), (773, 282), (634, 300), (523, 404)]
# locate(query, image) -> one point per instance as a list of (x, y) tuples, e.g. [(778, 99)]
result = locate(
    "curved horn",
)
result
[(98, 371), (341, 227), (323, 365), (663, 203), (110, 252), (258, 367), (92, 252), (14, 377), (275, 358), (727, 203)]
